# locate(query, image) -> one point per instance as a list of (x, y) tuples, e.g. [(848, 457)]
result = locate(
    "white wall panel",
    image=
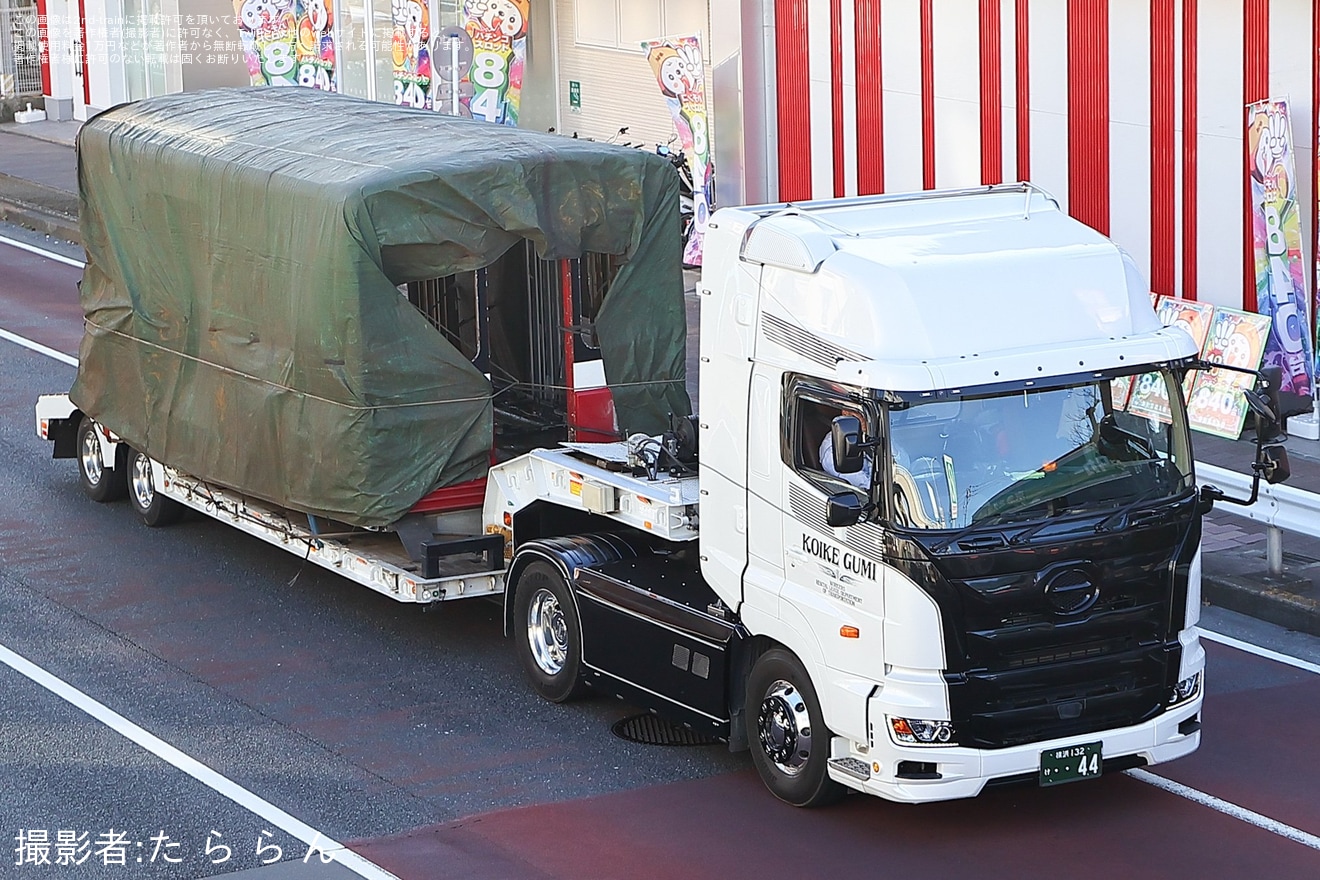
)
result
[(849, 77), (1220, 163), (1129, 129), (1048, 62), (1048, 32), (822, 110), (957, 93), (900, 53)]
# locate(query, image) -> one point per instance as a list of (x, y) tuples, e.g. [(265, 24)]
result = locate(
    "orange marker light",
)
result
[(849, 632), (901, 727), (1050, 467), (508, 518)]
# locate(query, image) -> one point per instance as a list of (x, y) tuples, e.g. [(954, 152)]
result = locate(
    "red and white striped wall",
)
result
[(1131, 112)]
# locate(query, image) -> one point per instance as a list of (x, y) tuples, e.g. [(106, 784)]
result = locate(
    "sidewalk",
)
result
[(39, 177), (39, 189)]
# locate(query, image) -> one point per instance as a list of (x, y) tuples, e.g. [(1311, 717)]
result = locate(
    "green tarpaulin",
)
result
[(244, 321)]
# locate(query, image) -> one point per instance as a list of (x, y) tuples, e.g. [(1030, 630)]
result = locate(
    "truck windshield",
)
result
[(1022, 455)]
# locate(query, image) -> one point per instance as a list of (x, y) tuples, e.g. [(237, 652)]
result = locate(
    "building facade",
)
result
[(1131, 112)]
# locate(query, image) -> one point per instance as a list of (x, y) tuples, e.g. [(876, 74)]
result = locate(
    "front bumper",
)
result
[(961, 772)]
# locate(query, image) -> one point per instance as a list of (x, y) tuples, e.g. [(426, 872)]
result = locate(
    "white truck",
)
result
[(989, 572)]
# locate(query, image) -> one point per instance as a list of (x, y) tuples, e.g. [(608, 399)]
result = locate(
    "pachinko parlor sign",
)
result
[(474, 69), (288, 42), (1276, 231)]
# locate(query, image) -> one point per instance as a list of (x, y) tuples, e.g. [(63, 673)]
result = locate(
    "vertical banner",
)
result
[(411, 52), (316, 46), (268, 30), (680, 71), (498, 29), (1277, 241), (1216, 404)]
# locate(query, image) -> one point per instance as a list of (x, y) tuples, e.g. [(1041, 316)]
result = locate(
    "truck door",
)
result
[(832, 576)]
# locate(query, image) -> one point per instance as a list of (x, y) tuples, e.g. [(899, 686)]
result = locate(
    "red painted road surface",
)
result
[(39, 299), (728, 826)]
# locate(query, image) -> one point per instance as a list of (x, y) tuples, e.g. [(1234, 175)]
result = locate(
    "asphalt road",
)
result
[(412, 738)]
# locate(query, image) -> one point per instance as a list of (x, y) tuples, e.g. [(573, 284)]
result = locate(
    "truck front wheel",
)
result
[(99, 482), (789, 742), (548, 633), (154, 508)]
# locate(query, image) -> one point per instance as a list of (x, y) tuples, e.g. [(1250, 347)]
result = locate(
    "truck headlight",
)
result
[(919, 732), (1186, 689)]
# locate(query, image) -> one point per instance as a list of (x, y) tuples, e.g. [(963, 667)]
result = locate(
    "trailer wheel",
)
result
[(154, 508), (789, 742), (99, 483), (548, 633)]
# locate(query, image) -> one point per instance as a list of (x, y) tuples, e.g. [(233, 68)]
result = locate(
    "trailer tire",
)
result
[(99, 483), (786, 731), (155, 509), (548, 633)]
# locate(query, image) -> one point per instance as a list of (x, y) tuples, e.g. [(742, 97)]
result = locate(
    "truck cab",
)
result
[(920, 486)]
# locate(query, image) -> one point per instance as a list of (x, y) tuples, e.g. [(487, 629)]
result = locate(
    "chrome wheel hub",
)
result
[(784, 728), (90, 458), (547, 632), (144, 492)]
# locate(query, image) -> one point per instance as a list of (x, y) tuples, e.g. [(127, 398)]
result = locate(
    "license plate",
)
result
[(1070, 763)]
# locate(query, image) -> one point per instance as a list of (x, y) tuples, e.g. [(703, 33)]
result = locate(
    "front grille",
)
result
[(1065, 653), (1045, 701)]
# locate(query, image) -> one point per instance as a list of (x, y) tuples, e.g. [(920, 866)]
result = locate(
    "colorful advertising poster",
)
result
[(316, 45), (1216, 404), (1277, 243), (1149, 395), (680, 71), (269, 33), (498, 29), (412, 55)]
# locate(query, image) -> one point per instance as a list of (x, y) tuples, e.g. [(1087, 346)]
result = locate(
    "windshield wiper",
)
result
[(989, 541), (1114, 519)]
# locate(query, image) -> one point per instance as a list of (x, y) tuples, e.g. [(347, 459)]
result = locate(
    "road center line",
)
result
[(39, 348), (1286, 659), (42, 252), (196, 769), (1228, 809)]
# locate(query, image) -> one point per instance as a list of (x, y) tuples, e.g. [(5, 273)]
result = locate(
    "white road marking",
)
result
[(39, 348), (1268, 654), (1228, 809), (42, 252), (197, 770)]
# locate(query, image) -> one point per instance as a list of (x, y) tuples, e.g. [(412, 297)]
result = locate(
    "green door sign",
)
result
[(575, 94)]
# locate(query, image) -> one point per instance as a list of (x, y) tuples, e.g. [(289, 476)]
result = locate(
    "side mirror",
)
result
[(846, 437), (1271, 461), (1274, 465), (1264, 403), (843, 509)]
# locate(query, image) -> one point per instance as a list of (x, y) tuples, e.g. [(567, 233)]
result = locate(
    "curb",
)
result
[(54, 225), (1263, 601)]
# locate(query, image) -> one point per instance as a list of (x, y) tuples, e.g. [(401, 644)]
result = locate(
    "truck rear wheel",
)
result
[(154, 508), (548, 633), (789, 742), (99, 482)]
